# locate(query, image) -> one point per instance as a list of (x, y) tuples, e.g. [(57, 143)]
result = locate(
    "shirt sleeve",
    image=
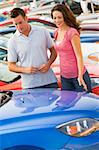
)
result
[(49, 40), (71, 33), (12, 55)]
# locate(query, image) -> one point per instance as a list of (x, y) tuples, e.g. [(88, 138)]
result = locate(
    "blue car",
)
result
[(49, 119)]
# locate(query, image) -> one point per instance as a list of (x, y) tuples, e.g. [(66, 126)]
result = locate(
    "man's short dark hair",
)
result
[(16, 12)]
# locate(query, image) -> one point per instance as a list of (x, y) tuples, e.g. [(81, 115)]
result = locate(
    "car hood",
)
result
[(47, 101)]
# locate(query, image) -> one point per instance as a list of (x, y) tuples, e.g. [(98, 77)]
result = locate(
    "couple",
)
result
[(27, 52)]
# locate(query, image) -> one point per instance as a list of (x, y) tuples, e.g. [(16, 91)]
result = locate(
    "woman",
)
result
[(74, 76)]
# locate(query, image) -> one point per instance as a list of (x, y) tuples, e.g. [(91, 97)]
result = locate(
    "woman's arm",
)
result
[(77, 49)]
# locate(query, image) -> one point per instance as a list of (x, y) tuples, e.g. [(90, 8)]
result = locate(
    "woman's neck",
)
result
[(63, 28)]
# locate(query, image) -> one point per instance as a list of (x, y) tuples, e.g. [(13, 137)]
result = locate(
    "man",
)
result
[(27, 53)]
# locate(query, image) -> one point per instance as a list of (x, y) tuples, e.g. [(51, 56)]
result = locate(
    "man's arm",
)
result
[(45, 67), (52, 56), (19, 69)]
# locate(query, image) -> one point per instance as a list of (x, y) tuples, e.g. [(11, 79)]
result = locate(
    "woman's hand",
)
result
[(82, 82)]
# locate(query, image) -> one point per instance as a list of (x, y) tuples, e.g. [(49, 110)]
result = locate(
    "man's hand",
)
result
[(44, 68), (31, 70)]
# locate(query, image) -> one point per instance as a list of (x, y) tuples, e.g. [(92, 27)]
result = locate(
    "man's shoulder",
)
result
[(13, 37)]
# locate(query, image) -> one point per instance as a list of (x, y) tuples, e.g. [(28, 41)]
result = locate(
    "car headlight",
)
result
[(79, 127)]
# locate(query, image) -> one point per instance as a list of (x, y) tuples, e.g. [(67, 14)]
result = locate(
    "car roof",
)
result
[(5, 30), (35, 19)]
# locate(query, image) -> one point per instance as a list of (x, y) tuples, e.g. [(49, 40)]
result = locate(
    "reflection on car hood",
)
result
[(47, 101)]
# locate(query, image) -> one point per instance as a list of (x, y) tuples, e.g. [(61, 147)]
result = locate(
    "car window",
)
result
[(3, 53), (5, 96), (6, 75)]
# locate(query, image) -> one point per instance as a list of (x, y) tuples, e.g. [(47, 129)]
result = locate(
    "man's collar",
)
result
[(18, 33), (33, 28)]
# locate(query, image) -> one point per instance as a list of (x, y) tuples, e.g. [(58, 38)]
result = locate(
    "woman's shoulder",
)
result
[(71, 32)]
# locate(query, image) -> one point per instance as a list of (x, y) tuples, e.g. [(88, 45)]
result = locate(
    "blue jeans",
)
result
[(72, 84)]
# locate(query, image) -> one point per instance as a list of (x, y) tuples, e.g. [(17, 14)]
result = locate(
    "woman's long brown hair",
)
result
[(68, 15)]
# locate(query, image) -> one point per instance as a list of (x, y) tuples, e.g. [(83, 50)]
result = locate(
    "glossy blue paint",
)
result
[(90, 39), (2, 18), (31, 116)]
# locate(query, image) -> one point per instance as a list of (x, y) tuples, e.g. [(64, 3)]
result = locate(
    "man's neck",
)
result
[(28, 30)]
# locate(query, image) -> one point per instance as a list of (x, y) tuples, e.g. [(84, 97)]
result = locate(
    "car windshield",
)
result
[(6, 75), (3, 53)]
